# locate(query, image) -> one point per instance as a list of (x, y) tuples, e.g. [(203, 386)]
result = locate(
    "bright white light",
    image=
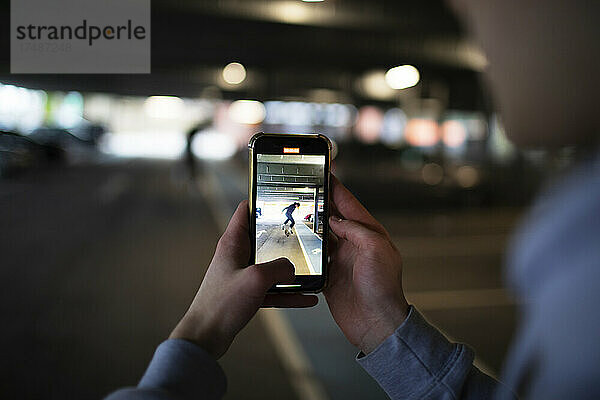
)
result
[(313, 1), (163, 107), (247, 112), (166, 145), (402, 77), (212, 145), (373, 85), (21, 109), (234, 73), (291, 12)]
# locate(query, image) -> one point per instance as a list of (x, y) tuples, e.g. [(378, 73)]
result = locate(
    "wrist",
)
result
[(201, 330), (384, 327)]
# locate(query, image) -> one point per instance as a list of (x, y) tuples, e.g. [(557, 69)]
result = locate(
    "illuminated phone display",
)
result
[(288, 195), (289, 209)]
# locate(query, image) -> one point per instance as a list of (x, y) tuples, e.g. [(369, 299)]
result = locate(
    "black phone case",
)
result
[(252, 186)]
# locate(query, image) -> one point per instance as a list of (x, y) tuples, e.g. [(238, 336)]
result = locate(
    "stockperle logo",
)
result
[(80, 36)]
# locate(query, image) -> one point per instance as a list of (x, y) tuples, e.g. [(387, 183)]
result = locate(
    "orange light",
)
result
[(293, 150), (422, 132)]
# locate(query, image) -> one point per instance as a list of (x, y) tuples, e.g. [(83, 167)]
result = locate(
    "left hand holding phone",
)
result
[(232, 292), (365, 293)]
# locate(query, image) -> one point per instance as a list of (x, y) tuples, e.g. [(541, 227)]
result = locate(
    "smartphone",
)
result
[(289, 205)]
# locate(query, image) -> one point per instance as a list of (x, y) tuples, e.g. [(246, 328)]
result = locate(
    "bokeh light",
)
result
[(432, 174), (467, 176), (234, 73), (247, 112), (454, 133), (402, 77), (369, 124), (373, 85), (394, 123), (163, 107), (212, 145), (422, 132)]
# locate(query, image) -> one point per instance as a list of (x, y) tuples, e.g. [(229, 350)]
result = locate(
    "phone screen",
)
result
[(290, 195)]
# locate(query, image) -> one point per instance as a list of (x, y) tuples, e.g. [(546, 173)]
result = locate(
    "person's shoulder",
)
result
[(562, 225)]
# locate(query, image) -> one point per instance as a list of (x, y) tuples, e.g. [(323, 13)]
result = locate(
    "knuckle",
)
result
[(226, 242)]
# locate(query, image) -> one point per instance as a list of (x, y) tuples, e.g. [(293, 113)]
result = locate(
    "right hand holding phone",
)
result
[(365, 293)]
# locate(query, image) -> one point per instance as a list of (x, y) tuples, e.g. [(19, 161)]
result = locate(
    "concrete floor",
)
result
[(100, 261), (277, 244)]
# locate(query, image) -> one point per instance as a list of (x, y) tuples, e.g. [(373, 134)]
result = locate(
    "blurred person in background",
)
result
[(189, 159), (543, 60)]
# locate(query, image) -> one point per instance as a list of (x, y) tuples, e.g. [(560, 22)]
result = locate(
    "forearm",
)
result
[(418, 362), (179, 370)]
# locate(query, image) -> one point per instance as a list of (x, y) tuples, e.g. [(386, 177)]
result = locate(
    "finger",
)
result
[(332, 243), (359, 235), (348, 206), (260, 277), (235, 241), (340, 272), (294, 300)]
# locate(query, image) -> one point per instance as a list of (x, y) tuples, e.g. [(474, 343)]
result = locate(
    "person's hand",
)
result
[(364, 293), (232, 292)]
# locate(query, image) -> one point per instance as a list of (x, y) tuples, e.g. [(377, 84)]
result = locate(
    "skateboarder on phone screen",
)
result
[(288, 213)]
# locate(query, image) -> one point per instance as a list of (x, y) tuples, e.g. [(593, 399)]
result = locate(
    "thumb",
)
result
[(234, 244), (354, 232), (260, 277), (238, 224)]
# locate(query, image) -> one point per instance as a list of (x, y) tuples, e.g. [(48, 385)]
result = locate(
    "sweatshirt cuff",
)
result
[(417, 361), (186, 370)]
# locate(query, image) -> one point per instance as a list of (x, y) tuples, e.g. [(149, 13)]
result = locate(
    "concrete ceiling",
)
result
[(289, 48)]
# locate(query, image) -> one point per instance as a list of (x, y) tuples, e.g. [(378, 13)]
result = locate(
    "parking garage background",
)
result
[(115, 188)]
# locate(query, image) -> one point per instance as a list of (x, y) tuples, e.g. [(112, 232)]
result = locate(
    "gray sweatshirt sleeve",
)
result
[(418, 362), (179, 370)]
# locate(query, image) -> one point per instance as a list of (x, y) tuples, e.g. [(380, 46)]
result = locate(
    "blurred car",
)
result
[(89, 132), (76, 149), (57, 137), (18, 153)]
